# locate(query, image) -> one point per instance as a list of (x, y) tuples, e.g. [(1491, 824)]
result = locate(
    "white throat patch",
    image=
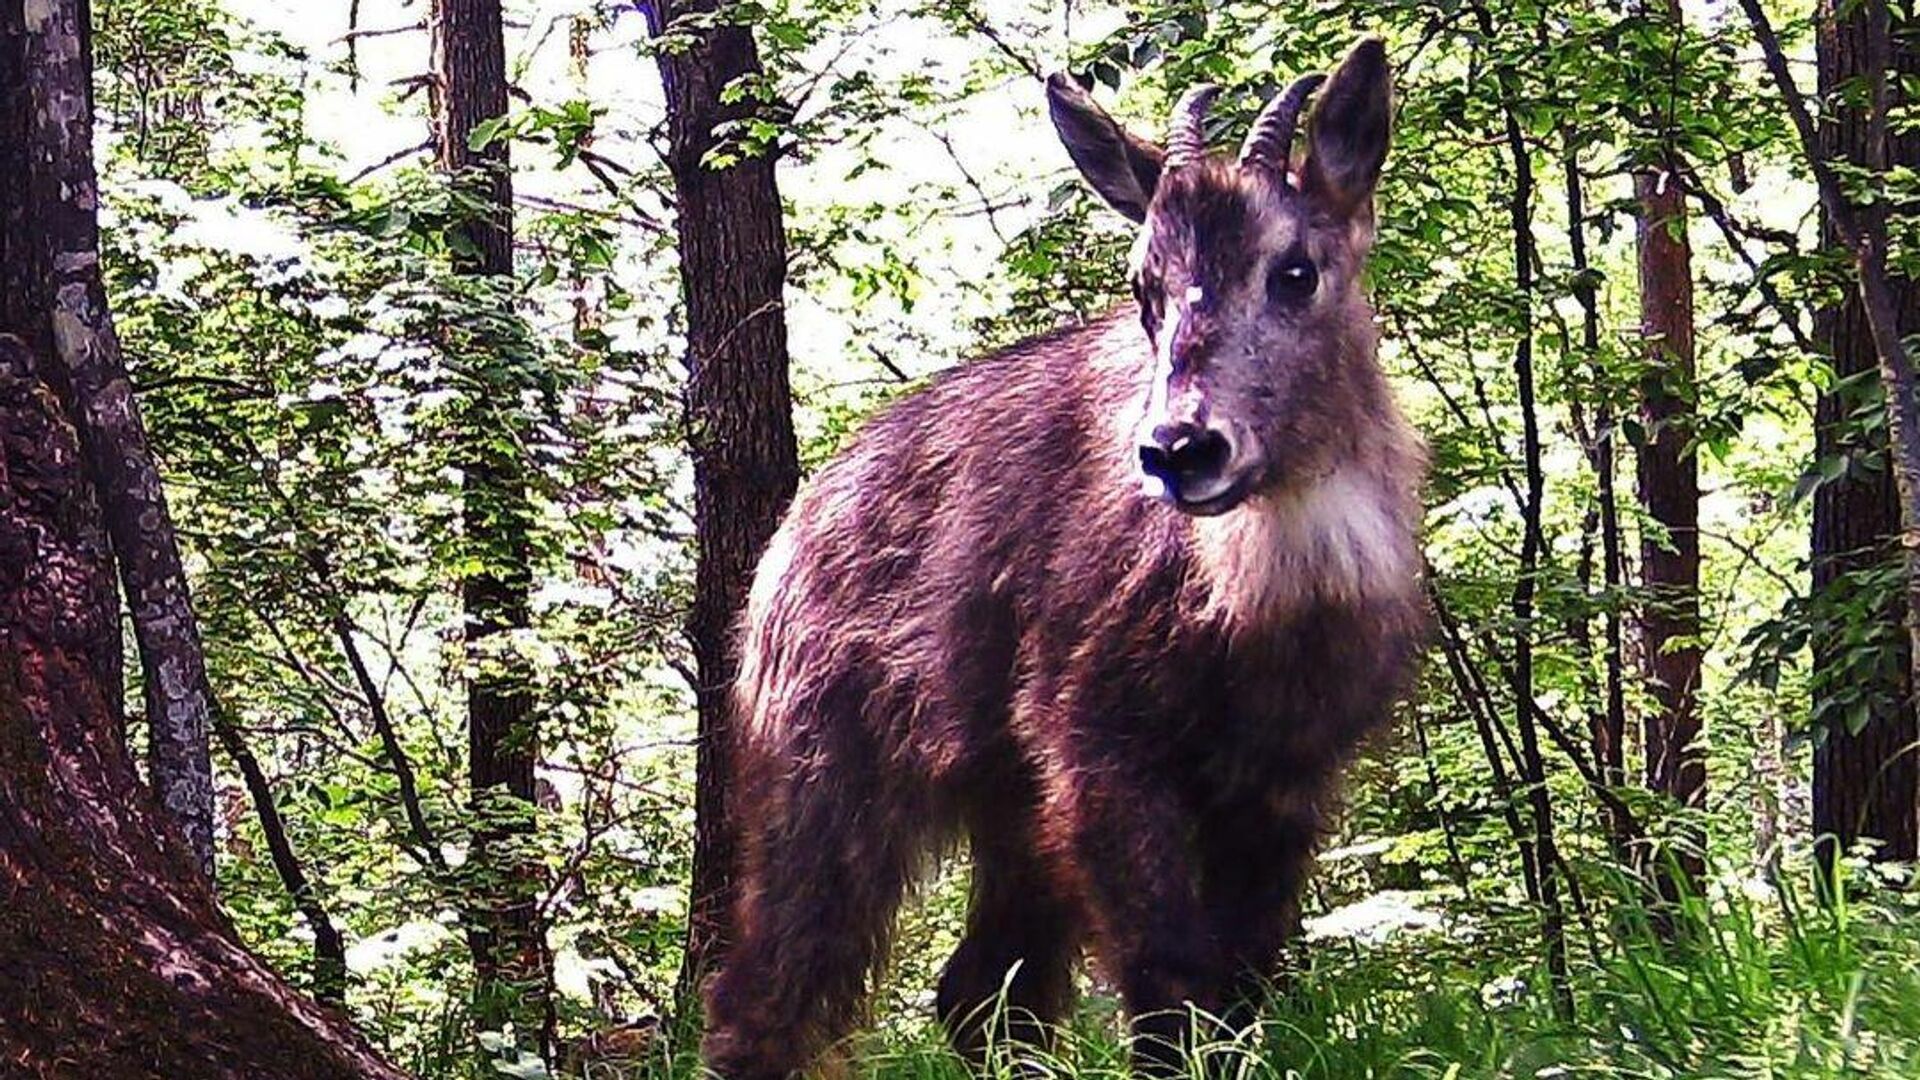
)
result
[(1340, 540)]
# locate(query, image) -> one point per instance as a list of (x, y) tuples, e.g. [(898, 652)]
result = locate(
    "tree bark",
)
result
[(117, 962), (56, 300), (1865, 783), (1669, 480), (513, 981), (739, 405), (1862, 230)]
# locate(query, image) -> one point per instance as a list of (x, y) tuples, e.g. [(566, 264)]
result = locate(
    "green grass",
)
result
[(1755, 982)]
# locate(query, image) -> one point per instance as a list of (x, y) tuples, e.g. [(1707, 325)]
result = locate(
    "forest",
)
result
[(397, 396)]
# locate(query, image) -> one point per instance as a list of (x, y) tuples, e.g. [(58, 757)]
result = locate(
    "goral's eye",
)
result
[(1291, 281)]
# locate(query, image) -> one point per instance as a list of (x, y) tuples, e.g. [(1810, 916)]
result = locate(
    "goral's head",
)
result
[(1247, 272)]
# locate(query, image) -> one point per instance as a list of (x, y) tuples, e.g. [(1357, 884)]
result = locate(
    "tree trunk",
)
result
[(56, 301), (1532, 547), (511, 966), (1670, 484), (739, 409), (117, 962), (1608, 722), (1865, 783), (1862, 230)]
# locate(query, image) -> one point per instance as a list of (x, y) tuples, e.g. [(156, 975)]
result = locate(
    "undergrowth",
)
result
[(1756, 979)]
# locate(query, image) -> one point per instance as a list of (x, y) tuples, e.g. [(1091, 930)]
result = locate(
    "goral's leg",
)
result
[(1127, 836), (1011, 979), (827, 847), (1254, 859)]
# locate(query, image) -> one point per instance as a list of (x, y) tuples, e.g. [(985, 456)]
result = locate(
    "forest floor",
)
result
[(1755, 980)]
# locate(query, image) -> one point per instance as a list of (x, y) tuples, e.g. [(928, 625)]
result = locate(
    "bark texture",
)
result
[(1669, 479), (1862, 230), (739, 405), (512, 980), (117, 962), (57, 301), (1865, 783)]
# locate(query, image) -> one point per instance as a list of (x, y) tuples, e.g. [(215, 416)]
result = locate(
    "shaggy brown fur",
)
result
[(973, 624)]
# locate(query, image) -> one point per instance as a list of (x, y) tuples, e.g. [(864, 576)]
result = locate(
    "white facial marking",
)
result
[(1137, 254), (1162, 373)]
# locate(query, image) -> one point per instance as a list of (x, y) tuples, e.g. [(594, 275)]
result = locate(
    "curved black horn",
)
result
[(1270, 143), (1186, 130)]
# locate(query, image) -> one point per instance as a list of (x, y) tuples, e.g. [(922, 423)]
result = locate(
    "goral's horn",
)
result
[(1186, 129), (1270, 144)]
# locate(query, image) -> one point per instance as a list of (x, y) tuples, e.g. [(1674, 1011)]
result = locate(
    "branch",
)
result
[(397, 759), (237, 386), (1863, 239), (561, 206), (993, 222), (391, 159), (424, 846), (1866, 237), (1732, 232), (985, 29), (1408, 341), (329, 950), (886, 361), (352, 36), (1482, 709), (602, 167)]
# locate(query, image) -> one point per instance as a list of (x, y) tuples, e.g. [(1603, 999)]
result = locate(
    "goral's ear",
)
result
[(1348, 132), (1123, 167)]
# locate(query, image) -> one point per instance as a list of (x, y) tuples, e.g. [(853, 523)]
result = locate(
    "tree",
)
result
[(739, 410), (118, 962), (1861, 228), (1606, 717), (53, 297), (1865, 779), (1545, 858), (1669, 475), (512, 976)]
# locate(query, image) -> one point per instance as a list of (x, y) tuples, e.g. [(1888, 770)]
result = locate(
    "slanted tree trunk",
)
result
[(329, 972), (55, 299), (1866, 782), (1669, 476), (117, 963), (512, 968), (739, 407)]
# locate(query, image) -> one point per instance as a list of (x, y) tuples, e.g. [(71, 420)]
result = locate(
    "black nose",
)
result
[(1185, 457)]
